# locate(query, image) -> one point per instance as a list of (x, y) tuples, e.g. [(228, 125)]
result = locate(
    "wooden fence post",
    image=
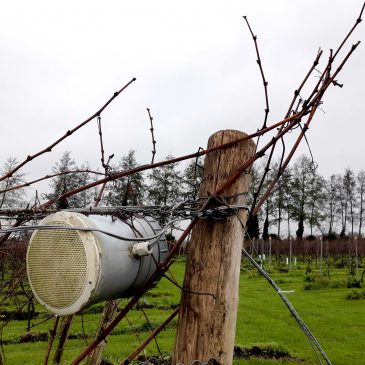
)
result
[(207, 322)]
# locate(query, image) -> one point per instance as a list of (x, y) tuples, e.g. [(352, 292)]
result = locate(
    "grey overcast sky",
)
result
[(195, 67)]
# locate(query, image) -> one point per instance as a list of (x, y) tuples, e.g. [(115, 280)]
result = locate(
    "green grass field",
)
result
[(263, 320)]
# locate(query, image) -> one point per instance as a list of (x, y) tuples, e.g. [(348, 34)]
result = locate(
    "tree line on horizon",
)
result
[(303, 198)]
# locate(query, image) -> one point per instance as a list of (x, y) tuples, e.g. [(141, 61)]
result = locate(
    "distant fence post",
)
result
[(290, 252), (321, 248), (208, 309)]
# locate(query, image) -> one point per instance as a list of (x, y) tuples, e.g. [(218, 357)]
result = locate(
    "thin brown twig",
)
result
[(120, 174), (150, 327), (282, 139), (311, 108), (357, 22), (268, 163), (153, 137), (264, 81), (306, 78), (259, 153), (46, 177), (100, 132), (317, 99), (101, 192), (16, 312), (329, 64), (18, 276), (153, 335), (285, 164), (133, 329), (67, 134), (314, 93), (53, 333)]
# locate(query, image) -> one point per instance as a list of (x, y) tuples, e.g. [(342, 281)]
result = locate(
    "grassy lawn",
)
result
[(338, 323)]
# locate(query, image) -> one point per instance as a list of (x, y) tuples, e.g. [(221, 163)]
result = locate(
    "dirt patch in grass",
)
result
[(264, 352), (34, 336), (166, 359)]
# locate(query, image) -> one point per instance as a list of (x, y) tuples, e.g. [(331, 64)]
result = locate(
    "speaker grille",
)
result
[(57, 265)]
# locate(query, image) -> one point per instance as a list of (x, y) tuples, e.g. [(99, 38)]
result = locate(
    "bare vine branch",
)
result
[(101, 192), (153, 137), (67, 134), (101, 142), (118, 175), (312, 95), (317, 100), (46, 177), (357, 22), (264, 81)]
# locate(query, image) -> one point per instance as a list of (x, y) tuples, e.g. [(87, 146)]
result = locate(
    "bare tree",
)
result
[(165, 184), (316, 200), (253, 229), (63, 183), (129, 190), (192, 177), (348, 191), (332, 202), (12, 198), (361, 196), (303, 176), (282, 198)]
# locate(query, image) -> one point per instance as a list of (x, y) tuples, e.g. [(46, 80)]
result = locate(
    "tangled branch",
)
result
[(66, 135)]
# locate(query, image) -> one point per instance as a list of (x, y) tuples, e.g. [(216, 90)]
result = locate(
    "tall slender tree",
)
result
[(282, 199), (303, 176), (331, 202), (14, 198), (316, 200), (192, 177), (129, 190), (63, 183), (253, 227), (165, 187), (269, 206), (346, 188), (361, 197)]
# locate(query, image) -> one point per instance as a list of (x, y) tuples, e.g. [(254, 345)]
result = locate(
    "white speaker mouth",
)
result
[(69, 269), (62, 265)]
